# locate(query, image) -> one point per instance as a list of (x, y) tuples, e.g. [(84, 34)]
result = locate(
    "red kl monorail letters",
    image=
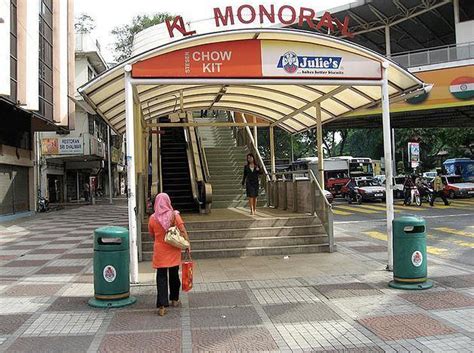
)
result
[(285, 14)]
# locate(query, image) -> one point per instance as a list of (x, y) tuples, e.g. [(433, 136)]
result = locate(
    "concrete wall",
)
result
[(465, 32)]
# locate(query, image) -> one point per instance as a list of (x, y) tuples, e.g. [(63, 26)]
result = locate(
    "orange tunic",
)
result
[(164, 255)]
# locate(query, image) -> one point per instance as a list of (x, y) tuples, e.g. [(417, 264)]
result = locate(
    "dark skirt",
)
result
[(252, 189)]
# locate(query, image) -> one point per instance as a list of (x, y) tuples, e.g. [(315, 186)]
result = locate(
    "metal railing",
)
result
[(435, 55), (302, 195)]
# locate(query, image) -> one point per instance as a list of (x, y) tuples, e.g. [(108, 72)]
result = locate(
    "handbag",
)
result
[(187, 272), (174, 238)]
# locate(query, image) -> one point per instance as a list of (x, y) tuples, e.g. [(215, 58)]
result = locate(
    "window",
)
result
[(46, 59), (91, 124), (466, 10), (13, 51)]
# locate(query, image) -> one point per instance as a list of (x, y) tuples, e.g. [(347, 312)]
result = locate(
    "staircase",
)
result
[(175, 170), (226, 162), (250, 237)]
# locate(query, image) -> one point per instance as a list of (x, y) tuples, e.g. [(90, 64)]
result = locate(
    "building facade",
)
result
[(36, 81), (75, 163)]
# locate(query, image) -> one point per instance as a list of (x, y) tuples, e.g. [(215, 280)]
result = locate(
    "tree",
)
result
[(125, 34), (84, 24)]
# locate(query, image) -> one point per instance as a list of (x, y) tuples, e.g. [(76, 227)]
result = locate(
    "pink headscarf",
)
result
[(163, 210)]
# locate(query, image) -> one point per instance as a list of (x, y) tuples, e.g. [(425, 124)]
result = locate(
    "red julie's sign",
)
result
[(269, 14)]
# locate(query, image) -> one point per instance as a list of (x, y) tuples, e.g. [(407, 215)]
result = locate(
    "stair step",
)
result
[(255, 251)]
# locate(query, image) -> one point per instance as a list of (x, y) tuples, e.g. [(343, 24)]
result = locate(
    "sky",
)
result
[(111, 13)]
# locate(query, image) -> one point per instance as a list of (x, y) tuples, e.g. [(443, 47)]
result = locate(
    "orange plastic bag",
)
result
[(187, 269)]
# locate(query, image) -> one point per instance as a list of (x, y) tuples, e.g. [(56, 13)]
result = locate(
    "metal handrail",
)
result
[(435, 55), (202, 153), (160, 169), (191, 166)]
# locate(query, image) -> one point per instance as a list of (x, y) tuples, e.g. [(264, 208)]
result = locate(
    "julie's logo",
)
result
[(291, 62)]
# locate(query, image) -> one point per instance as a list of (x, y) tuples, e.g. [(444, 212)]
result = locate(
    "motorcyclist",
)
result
[(352, 186), (407, 186)]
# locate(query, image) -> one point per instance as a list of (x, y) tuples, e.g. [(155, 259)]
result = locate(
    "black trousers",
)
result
[(162, 285), (438, 194)]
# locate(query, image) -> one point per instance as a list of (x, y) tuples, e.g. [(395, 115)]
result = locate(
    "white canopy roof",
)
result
[(286, 101)]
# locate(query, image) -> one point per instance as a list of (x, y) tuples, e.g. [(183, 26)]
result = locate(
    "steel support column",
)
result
[(387, 146), (109, 165), (131, 175), (272, 151), (319, 142)]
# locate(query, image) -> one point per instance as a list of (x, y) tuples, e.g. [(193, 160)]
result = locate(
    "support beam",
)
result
[(131, 175), (319, 142), (198, 124), (154, 165), (388, 47), (272, 151), (255, 132), (109, 165), (310, 104), (388, 161)]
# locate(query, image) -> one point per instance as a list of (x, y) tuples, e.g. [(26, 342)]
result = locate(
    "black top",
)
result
[(251, 177)]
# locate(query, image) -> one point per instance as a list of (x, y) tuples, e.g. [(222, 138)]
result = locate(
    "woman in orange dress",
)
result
[(166, 258)]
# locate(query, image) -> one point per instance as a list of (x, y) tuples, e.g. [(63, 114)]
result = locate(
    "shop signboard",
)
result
[(62, 146), (256, 58), (414, 154)]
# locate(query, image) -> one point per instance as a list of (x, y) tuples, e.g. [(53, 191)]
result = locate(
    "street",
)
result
[(450, 229)]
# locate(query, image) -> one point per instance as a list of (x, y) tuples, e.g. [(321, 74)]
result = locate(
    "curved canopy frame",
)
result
[(283, 101), (293, 79)]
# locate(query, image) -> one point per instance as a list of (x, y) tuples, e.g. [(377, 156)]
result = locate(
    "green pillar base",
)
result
[(411, 286), (112, 303)]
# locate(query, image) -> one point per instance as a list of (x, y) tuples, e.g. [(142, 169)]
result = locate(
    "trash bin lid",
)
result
[(111, 238), (412, 220)]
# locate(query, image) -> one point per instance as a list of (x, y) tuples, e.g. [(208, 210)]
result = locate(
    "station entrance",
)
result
[(273, 78)]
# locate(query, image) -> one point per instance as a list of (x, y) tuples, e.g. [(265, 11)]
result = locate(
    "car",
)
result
[(430, 175), (398, 182), (454, 186), (367, 188), (329, 196)]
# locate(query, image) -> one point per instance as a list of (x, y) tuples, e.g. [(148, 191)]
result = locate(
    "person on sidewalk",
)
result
[(408, 185), (166, 258), (250, 180), (438, 190)]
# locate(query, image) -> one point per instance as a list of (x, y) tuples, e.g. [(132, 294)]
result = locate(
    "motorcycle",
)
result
[(426, 193), (43, 204), (415, 197), (357, 197)]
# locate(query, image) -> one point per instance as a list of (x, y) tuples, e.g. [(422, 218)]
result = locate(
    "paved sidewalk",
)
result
[(321, 302)]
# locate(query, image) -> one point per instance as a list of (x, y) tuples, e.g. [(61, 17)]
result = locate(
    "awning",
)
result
[(276, 74)]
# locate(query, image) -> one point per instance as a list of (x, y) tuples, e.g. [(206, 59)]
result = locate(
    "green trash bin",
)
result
[(410, 267), (111, 268)]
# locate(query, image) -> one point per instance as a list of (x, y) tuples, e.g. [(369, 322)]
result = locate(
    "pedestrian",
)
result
[(352, 187), (86, 192), (166, 258), (407, 187), (438, 190), (251, 182)]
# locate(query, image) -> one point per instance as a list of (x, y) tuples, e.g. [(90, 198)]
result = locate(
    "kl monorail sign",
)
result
[(268, 14)]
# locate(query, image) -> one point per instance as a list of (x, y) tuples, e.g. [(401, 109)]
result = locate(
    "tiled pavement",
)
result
[(46, 280)]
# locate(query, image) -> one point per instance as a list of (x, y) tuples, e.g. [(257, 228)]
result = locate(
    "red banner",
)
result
[(228, 59)]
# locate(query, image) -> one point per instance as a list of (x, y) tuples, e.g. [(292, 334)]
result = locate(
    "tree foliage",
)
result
[(125, 34), (84, 24)]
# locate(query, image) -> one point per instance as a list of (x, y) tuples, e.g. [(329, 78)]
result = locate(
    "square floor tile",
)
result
[(300, 312), (70, 344), (66, 324), (25, 263), (223, 317), (223, 298), (247, 339), (343, 290), (463, 281), (145, 320), (149, 342), (19, 305), (439, 300), (405, 326), (52, 270), (33, 290), (10, 323), (463, 318), (285, 295), (71, 304)]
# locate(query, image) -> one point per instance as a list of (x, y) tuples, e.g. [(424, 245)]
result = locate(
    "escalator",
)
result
[(176, 176)]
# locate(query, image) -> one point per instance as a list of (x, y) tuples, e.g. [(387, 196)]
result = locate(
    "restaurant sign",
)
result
[(62, 146), (259, 15)]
